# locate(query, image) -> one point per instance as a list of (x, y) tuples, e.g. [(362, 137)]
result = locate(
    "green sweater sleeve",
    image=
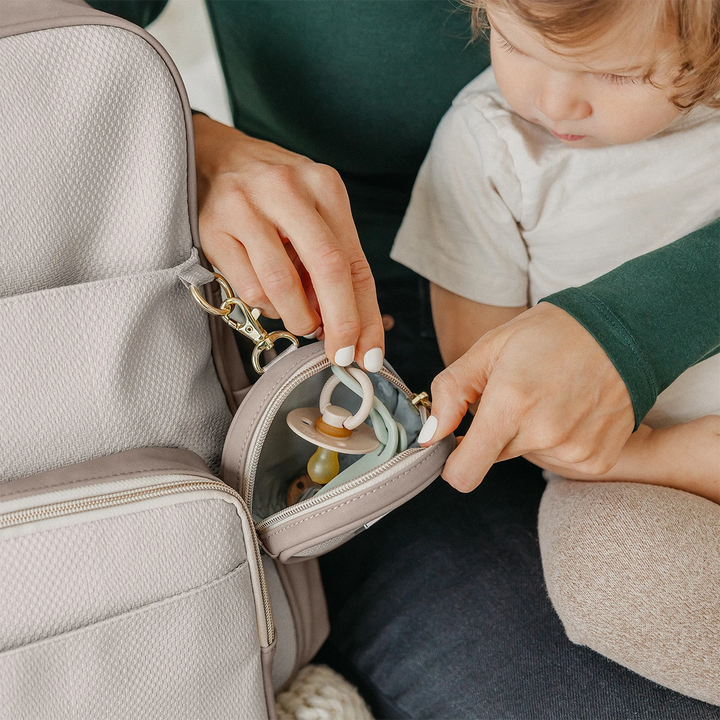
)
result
[(140, 12), (655, 316)]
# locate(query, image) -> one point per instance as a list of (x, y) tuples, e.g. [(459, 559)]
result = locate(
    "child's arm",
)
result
[(684, 457), (460, 322)]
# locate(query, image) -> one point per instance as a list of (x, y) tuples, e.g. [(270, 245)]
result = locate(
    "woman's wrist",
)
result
[(635, 464)]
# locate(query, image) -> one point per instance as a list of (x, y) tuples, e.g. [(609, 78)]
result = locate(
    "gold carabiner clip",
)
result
[(250, 326)]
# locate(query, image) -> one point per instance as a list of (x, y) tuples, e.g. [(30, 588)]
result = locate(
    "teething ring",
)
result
[(368, 395)]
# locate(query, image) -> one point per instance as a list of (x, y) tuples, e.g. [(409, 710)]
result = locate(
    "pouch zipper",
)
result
[(123, 497), (280, 397)]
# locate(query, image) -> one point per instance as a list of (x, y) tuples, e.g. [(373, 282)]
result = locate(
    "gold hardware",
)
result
[(206, 306), (250, 325), (421, 399), (267, 343)]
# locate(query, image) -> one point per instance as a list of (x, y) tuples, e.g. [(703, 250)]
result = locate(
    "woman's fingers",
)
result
[(247, 249), (232, 260), (334, 207), (453, 392), (327, 262), (266, 197), (308, 287)]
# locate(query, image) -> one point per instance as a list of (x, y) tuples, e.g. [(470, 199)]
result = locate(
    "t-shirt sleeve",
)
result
[(461, 230)]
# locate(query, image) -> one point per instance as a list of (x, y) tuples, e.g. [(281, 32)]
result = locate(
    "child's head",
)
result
[(604, 72)]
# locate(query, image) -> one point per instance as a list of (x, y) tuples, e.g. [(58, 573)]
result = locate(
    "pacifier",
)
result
[(333, 430)]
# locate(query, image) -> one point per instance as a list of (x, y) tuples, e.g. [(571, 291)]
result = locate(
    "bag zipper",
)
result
[(254, 459), (122, 497)]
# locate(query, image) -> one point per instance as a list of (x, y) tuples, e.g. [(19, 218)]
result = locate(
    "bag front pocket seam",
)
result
[(69, 483), (135, 612)]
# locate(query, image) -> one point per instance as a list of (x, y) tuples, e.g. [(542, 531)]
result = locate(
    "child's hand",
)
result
[(684, 457), (632, 463)]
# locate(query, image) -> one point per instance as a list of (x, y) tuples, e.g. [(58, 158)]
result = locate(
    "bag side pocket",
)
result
[(194, 656), (130, 367)]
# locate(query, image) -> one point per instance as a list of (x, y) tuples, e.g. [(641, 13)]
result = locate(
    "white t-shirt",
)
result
[(504, 213)]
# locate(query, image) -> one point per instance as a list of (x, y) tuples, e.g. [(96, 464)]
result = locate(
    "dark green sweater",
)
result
[(362, 84)]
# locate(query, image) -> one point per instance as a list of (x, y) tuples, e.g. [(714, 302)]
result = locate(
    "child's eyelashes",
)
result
[(505, 45), (612, 78), (619, 79)]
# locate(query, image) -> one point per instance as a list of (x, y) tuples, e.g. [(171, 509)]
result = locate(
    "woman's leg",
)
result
[(440, 611)]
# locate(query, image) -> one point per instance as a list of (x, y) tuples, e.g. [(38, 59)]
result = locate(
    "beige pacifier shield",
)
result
[(302, 422)]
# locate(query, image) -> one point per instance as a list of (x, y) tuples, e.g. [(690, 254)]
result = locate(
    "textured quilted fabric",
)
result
[(149, 615), (191, 657), (94, 158), (102, 348), (62, 579), (105, 367)]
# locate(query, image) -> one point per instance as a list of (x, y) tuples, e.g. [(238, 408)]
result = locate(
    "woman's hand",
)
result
[(278, 226), (545, 387)]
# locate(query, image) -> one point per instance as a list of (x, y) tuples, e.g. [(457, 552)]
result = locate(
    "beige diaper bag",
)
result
[(150, 567)]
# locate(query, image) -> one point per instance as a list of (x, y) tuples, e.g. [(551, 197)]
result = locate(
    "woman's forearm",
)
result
[(656, 315)]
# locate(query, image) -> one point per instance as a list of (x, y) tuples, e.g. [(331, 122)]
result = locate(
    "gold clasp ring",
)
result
[(250, 325)]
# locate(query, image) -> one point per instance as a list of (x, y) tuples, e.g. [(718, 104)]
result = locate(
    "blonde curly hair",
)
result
[(686, 33)]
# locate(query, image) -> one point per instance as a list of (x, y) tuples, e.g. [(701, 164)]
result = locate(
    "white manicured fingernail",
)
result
[(428, 430), (373, 360), (313, 335), (344, 356)]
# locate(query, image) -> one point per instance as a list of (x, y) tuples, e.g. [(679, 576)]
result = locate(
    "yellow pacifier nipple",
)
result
[(323, 466)]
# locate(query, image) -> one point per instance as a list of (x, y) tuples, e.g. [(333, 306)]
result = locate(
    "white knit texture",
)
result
[(319, 693), (101, 347), (94, 157)]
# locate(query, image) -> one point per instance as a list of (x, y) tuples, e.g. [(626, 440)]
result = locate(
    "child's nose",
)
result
[(560, 100)]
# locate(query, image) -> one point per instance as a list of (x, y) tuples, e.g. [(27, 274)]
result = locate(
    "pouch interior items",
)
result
[(284, 455), (263, 456)]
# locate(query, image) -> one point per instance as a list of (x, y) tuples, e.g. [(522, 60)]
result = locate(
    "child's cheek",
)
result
[(637, 114), (637, 125), (516, 93)]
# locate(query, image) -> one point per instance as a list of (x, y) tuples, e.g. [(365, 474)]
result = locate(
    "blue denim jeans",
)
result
[(440, 609)]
